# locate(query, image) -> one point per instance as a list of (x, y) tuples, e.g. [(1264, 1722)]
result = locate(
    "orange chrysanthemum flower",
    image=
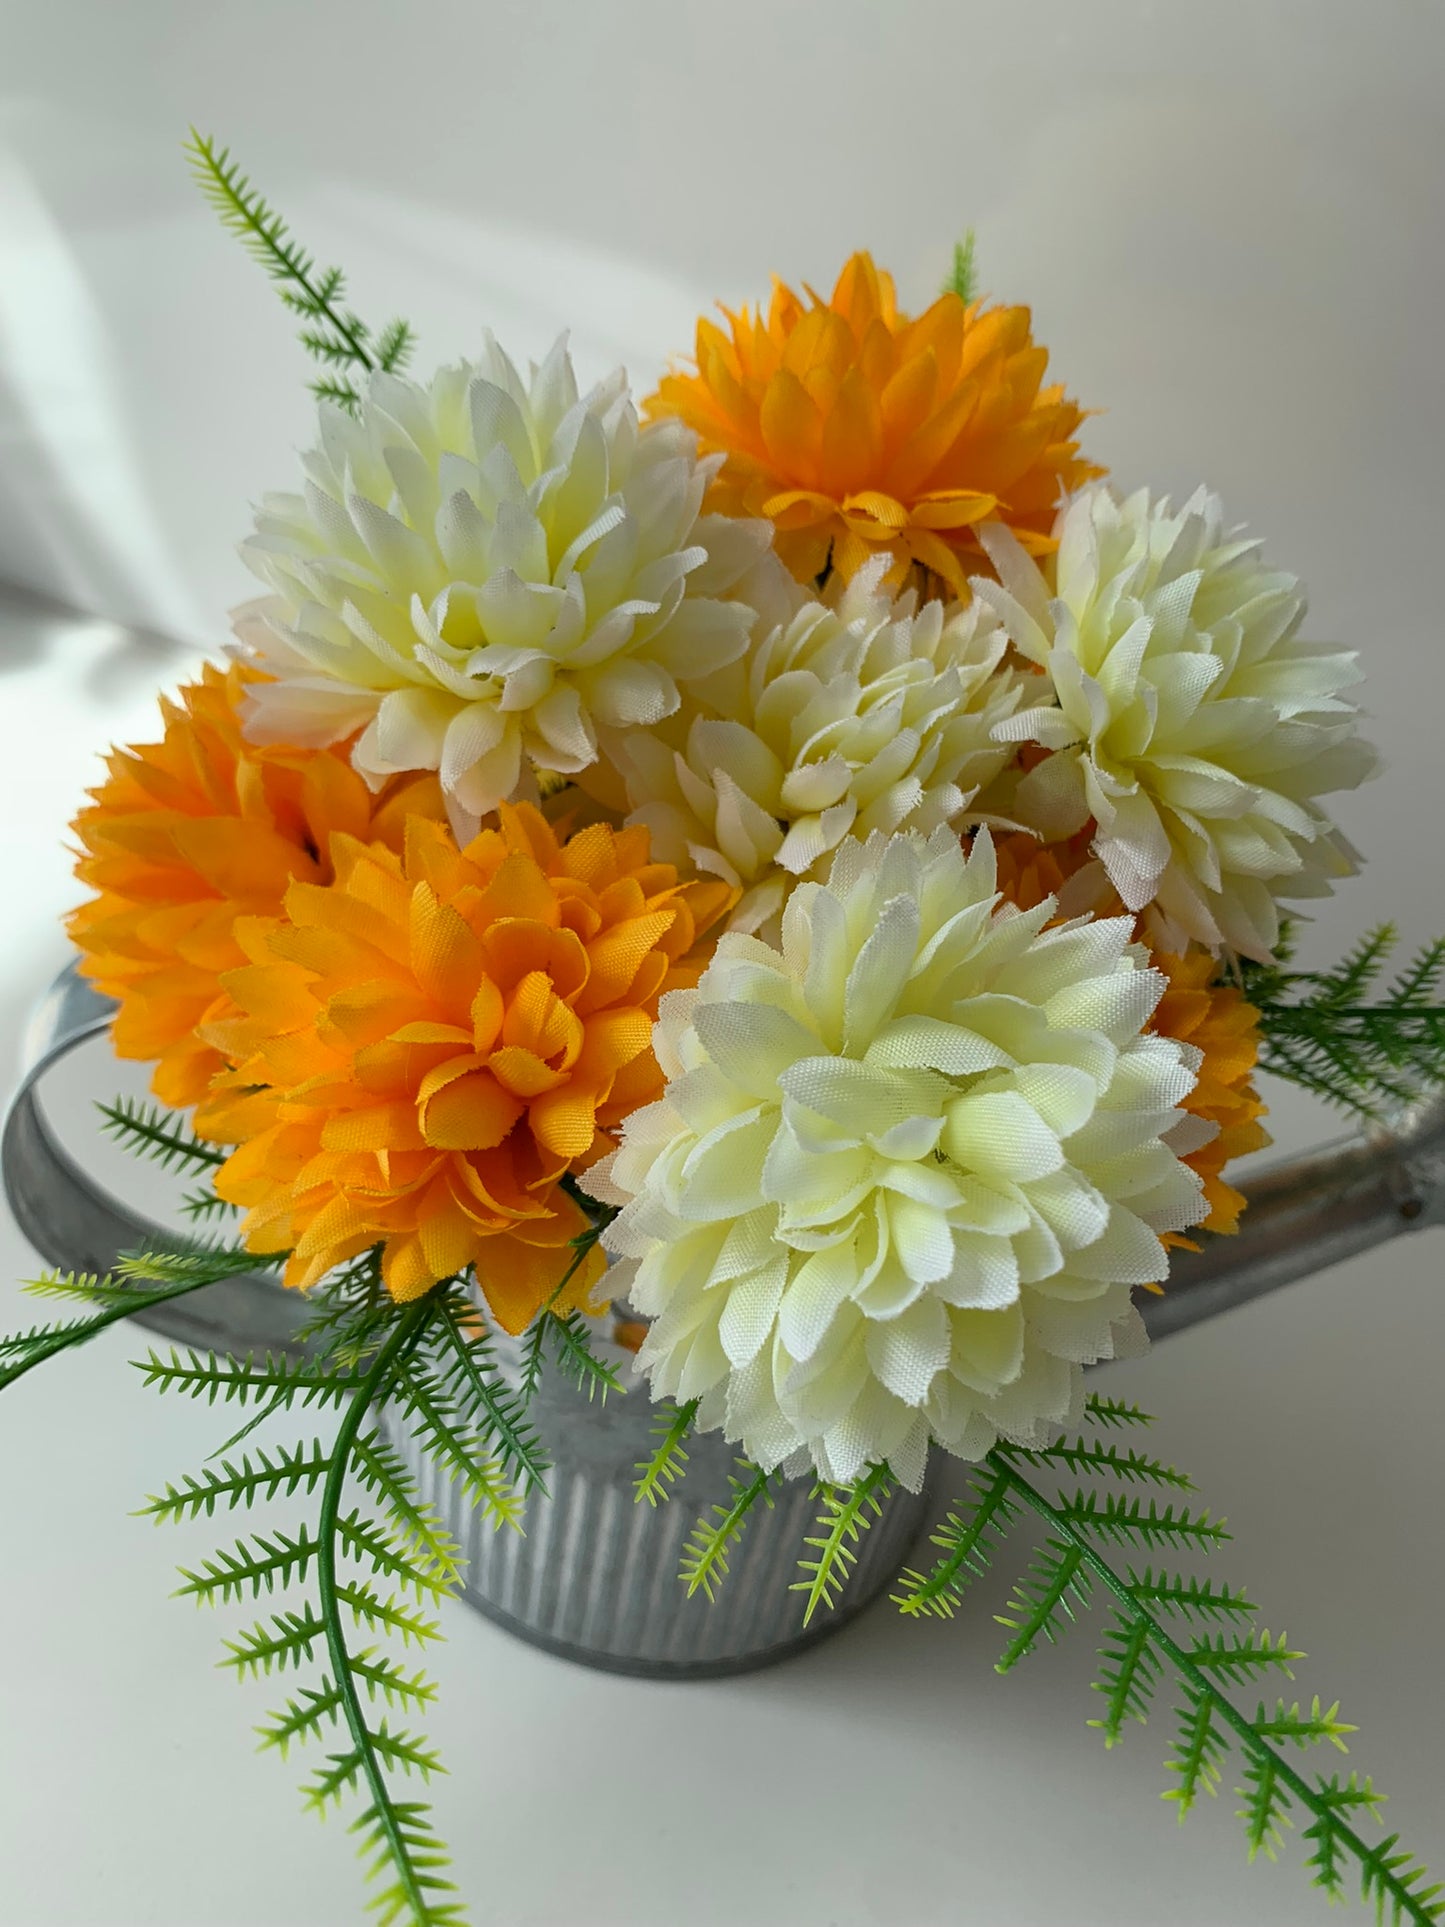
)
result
[(1216, 1018), (423, 1049), (187, 834), (855, 428)]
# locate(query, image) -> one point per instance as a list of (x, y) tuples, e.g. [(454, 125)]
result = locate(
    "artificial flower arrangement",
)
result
[(804, 859)]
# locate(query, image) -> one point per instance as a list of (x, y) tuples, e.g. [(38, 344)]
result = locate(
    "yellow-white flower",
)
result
[(482, 572), (862, 713), (906, 1169), (1187, 717)]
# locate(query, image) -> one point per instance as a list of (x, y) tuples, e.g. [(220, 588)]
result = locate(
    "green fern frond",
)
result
[(384, 1679), (305, 1718), (1124, 1521), (671, 1427), (967, 1545), (430, 1412), (848, 1511), (465, 1367), (251, 1567), (1190, 1596), (1321, 1723), (369, 1544), (341, 394), (577, 1360), (286, 1639), (381, 1471), (202, 1205), (709, 1547), (1324, 1030), (1140, 1651), (1265, 1812), (1199, 1753), (294, 1469), (241, 1381), (1395, 1882), (333, 334), (394, 345), (961, 279), (1042, 1598), (386, 1613), (1111, 1413), (1086, 1456), (162, 1136), (1129, 1671), (405, 1826), (1242, 1655)]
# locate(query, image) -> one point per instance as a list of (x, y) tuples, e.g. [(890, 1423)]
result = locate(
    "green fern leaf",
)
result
[(848, 1511), (369, 1544), (1111, 1413), (705, 1557), (162, 1136), (578, 1361), (961, 279), (1265, 1812), (299, 1468), (670, 1427), (383, 1474), (302, 1719), (251, 1567), (1042, 1599), (383, 1678), (1245, 1654), (286, 1639), (1321, 1723), (1129, 1672), (436, 1428), (385, 1612), (1189, 1596), (967, 1545), (1085, 1456), (466, 1368), (1124, 1521), (1199, 1752)]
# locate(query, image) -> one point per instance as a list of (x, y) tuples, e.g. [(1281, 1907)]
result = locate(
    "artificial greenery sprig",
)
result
[(1217, 1644), (1334, 1033), (331, 333)]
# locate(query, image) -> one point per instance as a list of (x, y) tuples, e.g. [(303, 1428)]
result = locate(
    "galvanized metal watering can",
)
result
[(593, 1577)]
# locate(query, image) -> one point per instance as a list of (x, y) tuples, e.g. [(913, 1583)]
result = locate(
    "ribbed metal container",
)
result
[(593, 1574)]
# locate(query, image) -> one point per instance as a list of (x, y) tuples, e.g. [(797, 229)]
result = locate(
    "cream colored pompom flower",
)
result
[(1187, 717), (482, 572), (906, 1169), (860, 713)]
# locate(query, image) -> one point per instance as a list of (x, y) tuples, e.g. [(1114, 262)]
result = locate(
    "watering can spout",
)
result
[(1308, 1212)]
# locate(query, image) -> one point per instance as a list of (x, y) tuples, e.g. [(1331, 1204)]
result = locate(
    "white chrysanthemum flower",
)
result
[(862, 713), (906, 1170), (484, 570), (1187, 717)]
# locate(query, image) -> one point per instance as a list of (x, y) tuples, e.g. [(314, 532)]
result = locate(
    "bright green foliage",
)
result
[(1140, 1655), (575, 1358), (300, 1468), (671, 1427), (1042, 1599), (967, 1543), (1111, 1413), (962, 279), (330, 332), (164, 1137), (1093, 1456), (709, 1548), (1328, 1031), (848, 1511), (462, 1360), (137, 1283)]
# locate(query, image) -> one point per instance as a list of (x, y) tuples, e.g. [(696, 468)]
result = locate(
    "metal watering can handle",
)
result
[(1304, 1213)]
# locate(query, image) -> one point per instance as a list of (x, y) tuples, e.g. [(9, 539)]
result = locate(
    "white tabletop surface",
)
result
[(1227, 220)]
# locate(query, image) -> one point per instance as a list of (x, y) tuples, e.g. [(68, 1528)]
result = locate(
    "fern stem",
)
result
[(1373, 1861), (241, 215), (403, 1340), (50, 1344)]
